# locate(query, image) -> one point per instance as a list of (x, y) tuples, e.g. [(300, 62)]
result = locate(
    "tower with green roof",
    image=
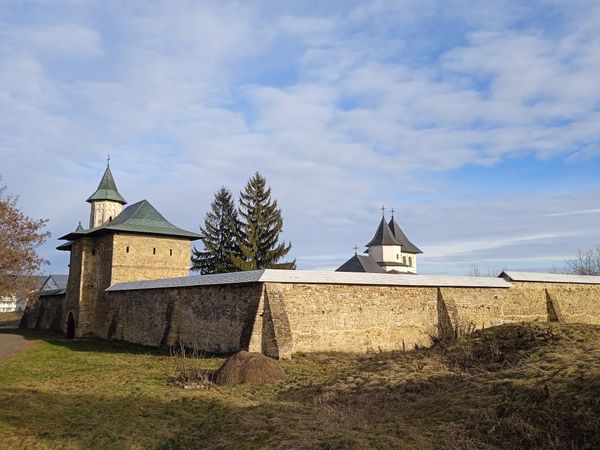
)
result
[(106, 202), (132, 244)]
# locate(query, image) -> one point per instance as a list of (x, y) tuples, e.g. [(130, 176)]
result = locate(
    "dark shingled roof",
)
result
[(360, 263), (141, 217), (67, 245), (383, 235), (107, 189), (407, 246)]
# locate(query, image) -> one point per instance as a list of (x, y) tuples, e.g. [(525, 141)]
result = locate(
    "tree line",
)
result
[(245, 237)]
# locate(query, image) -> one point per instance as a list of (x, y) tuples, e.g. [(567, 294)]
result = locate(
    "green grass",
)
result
[(514, 386)]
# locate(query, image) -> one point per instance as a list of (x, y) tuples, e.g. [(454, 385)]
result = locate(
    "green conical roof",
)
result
[(107, 189)]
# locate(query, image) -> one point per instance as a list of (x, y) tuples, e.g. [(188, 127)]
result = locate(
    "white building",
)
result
[(389, 251)]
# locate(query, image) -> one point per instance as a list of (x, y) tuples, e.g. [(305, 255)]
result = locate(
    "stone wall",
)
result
[(279, 319), (216, 319), (354, 318), (141, 257), (50, 313), (575, 303)]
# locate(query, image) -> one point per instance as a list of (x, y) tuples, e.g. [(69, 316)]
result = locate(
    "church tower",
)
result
[(131, 244), (106, 202)]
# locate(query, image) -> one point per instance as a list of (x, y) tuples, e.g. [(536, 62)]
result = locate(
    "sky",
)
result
[(478, 122)]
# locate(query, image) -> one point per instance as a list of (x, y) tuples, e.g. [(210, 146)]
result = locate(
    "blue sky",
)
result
[(477, 121)]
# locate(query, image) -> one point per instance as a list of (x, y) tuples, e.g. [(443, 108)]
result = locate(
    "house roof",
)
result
[(407, 246), (549, 277), (54, 282), (141, 217), (360, 263), (383, 235), (107, 189), (314, 277)]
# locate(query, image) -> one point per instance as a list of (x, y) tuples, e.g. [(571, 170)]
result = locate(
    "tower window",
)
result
[(110, 219), (93, 252), (154, 251), (171, 252), (127, 249)]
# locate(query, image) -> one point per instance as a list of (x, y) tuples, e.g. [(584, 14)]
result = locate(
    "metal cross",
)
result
[(108, 161), (392, 211), (383, 210), (355, 249)]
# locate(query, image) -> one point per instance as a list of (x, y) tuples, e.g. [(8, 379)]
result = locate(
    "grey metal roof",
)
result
[(360, 263), (107, 189), (383, 235), (141, 217), (52, 292), (407, 246), (54, 282), (314, 277), (550, 277)]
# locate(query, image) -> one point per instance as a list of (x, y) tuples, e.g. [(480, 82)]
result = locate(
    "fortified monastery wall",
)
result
[(283, 312)]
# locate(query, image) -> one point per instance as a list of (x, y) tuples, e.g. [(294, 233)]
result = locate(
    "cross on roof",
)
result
[(355, 249), (392, 211), (108, 161), (383, 210)]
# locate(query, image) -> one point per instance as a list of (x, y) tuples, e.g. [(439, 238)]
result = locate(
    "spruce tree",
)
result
[(260, 225), (219, 236)]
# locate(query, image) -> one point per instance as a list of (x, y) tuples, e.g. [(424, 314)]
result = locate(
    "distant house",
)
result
[(54, 285), (389, 251), (12, 303)]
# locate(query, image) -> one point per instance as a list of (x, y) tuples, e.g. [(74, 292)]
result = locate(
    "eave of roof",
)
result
[(141, 218), (407, 246), (537, 277), (314, 277), (360, 263)]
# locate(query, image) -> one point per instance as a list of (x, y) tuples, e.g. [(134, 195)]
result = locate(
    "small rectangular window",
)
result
[(171, 252), (127, 250), (93, 252), (154, 251)]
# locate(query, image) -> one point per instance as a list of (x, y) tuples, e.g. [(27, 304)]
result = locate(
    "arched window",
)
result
[(410, 260), (404, 260)]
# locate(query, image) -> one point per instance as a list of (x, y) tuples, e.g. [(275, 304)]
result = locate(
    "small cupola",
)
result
[(106, 202)]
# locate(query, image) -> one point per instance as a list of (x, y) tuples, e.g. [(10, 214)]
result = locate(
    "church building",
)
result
[(389, 251), (131, 244)]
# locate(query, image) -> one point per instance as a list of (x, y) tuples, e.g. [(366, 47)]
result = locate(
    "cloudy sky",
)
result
[(477, 121)]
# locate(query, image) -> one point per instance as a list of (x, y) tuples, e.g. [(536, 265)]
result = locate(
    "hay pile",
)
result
[(249, 368)]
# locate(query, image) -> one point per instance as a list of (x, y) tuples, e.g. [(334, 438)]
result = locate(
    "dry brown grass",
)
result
[(514, 386), (10, 318)]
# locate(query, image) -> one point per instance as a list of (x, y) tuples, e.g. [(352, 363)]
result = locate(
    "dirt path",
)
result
[(11, 344)]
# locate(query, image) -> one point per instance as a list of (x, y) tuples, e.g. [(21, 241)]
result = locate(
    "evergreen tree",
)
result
[(260, 226), (219, 236)]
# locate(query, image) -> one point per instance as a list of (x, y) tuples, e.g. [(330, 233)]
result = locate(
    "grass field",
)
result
[(514, 386)]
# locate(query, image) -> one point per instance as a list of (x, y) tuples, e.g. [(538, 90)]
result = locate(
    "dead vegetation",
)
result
[(513, 386), (249, 368)]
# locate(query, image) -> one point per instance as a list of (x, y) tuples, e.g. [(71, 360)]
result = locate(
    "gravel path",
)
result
[(10, 344)]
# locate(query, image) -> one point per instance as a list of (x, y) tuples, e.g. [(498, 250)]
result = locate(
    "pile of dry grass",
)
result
[(249, 368)]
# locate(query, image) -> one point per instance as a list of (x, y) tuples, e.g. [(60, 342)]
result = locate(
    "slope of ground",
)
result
[(514, 386)]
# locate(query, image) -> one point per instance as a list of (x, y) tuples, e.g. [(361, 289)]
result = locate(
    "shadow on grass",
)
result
[(61, 419), (85, 344)]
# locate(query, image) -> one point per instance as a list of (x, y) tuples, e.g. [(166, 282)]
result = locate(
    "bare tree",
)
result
[(586, 262), (475, 271), (20, 236)]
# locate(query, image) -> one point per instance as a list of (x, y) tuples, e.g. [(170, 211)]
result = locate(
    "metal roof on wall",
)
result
[(315, 277)]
